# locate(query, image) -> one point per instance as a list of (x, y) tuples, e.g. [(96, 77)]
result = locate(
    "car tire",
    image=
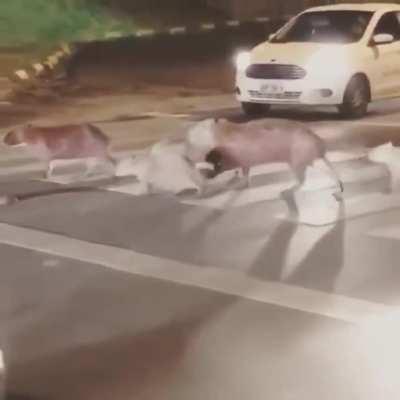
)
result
[(356, 98), (255, 109)]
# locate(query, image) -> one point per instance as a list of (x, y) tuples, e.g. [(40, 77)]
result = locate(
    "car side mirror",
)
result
[(382, 38)]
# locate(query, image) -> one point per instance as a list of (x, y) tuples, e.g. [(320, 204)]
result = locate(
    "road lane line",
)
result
[(177, 30), (335, 306), (207, 27), (262, 19), (233, 23), (14, 161), (386, 232), (2, 376), (159, 114), (145, 32), (223, 199), (30, 167), (327, 210), (266, 191), (393, 124)]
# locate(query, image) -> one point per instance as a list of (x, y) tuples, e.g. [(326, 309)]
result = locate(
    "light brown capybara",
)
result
[(62, 142)]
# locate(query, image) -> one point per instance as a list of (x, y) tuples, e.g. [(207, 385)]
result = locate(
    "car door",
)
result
[(384, 59)]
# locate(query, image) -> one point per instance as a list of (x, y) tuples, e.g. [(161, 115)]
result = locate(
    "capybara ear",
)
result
[(10, 139), (6, 138)]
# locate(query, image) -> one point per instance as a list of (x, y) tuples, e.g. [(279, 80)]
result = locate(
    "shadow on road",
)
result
[(322, 263), (148, 328), (139, 353)]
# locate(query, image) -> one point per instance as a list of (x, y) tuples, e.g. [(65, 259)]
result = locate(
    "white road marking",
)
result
[(25, 164), (113, 35), (240, 198), (2, 376), (157, 114), (145, 32), (208, 27), (341, 156), (66, 48), (216, 279), (28, 169), (378, 124), (324, 210), (38, 68), (262, 19), (59, 54), (225, 198), (231, 198), (386, 232), (1, 363), (22, 74), (233, 23), (177, 30), (52, 60)]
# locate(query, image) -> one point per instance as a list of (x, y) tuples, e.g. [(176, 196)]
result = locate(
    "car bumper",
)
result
[(297, 91)]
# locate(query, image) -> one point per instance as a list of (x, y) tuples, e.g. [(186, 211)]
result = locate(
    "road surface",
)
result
[(105, 294)]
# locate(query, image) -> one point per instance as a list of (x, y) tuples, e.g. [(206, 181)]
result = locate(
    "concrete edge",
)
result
[(39, 70)]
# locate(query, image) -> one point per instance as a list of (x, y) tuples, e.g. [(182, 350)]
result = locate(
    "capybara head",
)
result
[(215, 158), (13, 138)]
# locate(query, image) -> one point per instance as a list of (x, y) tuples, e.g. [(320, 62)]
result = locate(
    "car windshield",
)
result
[(325, 27)]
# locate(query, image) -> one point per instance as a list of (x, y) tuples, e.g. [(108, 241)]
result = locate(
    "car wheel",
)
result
[(356, 98), (255, 109)]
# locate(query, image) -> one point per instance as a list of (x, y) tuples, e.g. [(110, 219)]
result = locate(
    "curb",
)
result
[(46, 69), (176, 30)]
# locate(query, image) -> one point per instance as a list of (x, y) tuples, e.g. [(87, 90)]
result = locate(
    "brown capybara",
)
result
[(249, 144), (62, 142)]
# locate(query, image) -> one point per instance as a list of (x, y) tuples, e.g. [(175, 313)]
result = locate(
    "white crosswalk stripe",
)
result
[(352, 310), (386, 232), (267, 184), (268, 181), (16, 162)]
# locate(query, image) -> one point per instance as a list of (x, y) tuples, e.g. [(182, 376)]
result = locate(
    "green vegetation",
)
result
[(46, 23), (31, 29)]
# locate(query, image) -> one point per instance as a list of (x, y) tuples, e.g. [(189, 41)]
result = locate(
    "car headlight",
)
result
[(328, 64), (243, 60)]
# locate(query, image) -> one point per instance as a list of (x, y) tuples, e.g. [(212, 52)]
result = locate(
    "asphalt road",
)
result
[(105, 294)]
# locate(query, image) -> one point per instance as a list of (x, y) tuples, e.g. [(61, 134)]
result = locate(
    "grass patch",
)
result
[(46, 23), (31, 29)]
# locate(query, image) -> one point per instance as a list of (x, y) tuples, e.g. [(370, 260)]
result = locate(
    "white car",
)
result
[(345, 55)]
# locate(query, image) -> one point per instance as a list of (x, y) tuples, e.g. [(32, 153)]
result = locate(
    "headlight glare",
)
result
[(243, 60)]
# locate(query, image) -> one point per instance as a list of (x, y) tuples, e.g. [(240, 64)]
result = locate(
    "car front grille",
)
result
[(256, 94), (275, 71)]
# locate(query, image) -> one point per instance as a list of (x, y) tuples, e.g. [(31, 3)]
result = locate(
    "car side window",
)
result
[(389, 23)]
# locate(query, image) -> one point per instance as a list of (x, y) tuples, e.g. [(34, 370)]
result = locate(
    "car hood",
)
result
[(291, 53)]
